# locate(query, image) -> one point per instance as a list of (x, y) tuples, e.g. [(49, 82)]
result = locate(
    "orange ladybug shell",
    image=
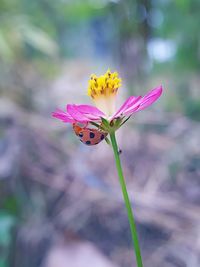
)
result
[(89, 136)]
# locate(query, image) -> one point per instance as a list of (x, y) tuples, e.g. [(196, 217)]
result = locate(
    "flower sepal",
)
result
[(111, 126)]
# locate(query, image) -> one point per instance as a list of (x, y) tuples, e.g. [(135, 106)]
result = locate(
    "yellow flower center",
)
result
[(103, 91)]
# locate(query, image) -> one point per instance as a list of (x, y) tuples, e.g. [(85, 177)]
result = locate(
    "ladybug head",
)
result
[(76, 128)]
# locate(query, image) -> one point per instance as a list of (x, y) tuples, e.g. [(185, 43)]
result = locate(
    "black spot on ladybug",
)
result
[(102, 136), (88, 142), (80, 134), (92, 135)]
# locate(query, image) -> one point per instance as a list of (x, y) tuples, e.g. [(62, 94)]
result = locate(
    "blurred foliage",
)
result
[(17, 32), (46, 25), (192, 109), (181, 20), (7, 221)]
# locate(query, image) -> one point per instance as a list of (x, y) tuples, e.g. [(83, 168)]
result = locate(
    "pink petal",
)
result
[(131, 102), (150, 98), (145, 101), (79, 113), (76, 115), (63, 116), (90, 111)]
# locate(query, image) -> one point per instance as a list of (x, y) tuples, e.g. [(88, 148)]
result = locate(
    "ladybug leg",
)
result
[(85, 125), (107, 140)]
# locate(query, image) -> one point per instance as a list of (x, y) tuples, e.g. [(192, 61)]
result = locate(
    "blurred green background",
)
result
[(60, 201)]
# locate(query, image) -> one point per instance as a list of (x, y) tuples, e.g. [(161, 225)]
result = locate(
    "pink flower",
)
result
[(104, 116), (87, 113)]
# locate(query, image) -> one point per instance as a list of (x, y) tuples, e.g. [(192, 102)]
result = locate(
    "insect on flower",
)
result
[(103, 91), (89, 136)]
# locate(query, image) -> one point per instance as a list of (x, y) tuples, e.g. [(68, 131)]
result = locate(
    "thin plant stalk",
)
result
[(127, 201)]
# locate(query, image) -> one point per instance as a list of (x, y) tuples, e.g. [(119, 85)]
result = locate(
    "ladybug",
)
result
[(89, 136)]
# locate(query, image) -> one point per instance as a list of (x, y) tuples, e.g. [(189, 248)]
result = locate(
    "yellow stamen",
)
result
[(105, 85), (103, 90)]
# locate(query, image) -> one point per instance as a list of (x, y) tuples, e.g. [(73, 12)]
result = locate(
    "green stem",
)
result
[(127, 202)]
